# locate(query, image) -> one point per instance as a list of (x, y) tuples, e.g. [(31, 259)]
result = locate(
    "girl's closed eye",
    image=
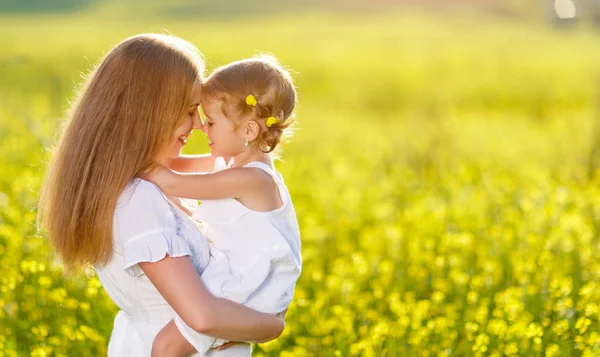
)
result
[(208, 120)]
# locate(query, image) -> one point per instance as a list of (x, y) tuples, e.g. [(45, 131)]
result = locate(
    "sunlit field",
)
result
[(445, 172)]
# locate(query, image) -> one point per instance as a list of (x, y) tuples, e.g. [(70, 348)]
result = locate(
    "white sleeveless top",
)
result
[(255, 256)]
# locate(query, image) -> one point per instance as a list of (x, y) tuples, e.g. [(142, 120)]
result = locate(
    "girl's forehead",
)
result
[(211, 107)]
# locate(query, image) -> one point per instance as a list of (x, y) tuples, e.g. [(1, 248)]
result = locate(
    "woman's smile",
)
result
[(183, 138)]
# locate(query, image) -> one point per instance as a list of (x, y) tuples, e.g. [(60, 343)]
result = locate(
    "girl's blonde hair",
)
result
[(123, 117), (269, 83)]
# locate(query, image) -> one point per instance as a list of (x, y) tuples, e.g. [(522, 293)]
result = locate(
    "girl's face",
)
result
[(223, 138), (191, 121)]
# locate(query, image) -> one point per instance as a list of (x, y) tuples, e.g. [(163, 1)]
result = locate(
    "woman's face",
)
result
[(192, 121)]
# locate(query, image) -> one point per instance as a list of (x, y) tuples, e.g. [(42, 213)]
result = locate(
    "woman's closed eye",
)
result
[(195, 111)]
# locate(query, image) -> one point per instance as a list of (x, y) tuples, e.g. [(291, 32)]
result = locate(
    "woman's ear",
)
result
[(252, 130)]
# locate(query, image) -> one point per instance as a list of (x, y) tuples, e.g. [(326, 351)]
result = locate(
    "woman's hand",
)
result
[(225, 345), (231, 343)]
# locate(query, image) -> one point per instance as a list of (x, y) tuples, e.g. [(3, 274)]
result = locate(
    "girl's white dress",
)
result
[(146, 227), (255, 256)]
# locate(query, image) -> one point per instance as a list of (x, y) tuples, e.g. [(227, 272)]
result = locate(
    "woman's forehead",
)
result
[(196, 94)]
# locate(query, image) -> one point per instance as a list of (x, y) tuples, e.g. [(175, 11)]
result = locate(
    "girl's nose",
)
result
[(204, 126)]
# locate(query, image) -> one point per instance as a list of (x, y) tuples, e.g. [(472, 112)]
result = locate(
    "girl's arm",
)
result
[(193, 163), (177, 281), (230, 183)]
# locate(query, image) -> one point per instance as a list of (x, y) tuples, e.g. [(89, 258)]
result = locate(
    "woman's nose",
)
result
[(197, 122)]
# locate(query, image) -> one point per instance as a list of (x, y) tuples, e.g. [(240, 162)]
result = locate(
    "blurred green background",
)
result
[(444, 170)]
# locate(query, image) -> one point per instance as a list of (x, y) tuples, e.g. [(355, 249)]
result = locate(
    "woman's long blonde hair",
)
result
[(124, 116)]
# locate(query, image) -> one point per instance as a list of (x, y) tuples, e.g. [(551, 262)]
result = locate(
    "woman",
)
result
[(137, 110)]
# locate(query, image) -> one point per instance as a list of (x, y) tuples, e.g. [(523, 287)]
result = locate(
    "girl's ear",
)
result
[(252, 130)]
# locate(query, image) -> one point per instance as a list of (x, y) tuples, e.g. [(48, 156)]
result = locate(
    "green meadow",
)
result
[(445, 171)]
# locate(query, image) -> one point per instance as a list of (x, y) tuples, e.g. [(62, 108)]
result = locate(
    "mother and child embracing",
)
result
[(204, 279)]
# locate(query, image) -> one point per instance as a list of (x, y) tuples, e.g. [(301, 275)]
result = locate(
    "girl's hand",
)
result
[(162, 177), (180, 202), (159, 175)]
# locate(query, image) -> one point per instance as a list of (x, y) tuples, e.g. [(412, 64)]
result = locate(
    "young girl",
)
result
[(245, 206)]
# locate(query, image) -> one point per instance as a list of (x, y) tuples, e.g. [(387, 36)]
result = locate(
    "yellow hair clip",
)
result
[(271, 121), (251, 101)]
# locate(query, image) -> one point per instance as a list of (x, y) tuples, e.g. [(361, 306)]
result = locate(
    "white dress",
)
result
[(146, 227), (255, 256)]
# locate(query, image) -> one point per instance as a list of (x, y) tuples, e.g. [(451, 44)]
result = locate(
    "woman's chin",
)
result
[(173, 156)]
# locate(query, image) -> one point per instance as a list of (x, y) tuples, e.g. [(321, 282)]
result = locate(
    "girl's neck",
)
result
[(249, 156)]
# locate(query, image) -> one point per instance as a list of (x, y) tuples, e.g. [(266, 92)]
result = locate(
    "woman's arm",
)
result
[(177, 281), (193, 163), (230, 183)]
